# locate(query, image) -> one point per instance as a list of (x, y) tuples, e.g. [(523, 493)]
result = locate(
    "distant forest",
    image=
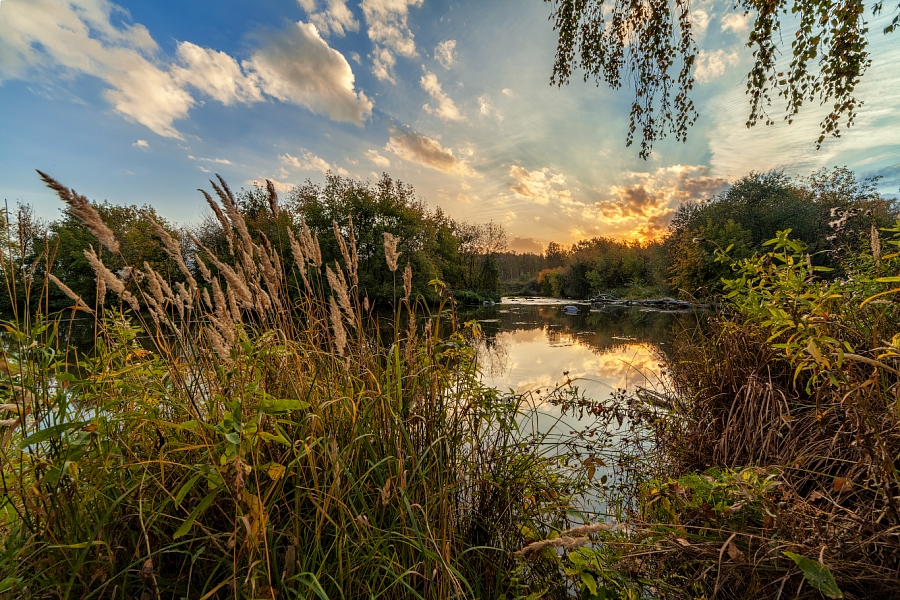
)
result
[(831, 211)]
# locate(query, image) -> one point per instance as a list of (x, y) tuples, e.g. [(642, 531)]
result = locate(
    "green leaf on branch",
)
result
[(817, 575)]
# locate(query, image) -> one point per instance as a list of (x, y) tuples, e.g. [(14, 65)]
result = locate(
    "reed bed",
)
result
[(244, 431)]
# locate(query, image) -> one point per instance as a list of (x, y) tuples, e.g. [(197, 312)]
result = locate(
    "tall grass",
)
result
[(246, 432)]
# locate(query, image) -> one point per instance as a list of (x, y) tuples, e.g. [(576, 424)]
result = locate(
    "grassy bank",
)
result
[(771, 469), (244, 432)]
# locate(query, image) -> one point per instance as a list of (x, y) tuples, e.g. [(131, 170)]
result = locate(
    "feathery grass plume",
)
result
[(155, 287), (82, 209), (206, 299), (173, 248), (354, 256), (112, 282), (133, 302), (310, 245), (342, 245), (223, 220), (263, 302), (340, 335), (204, 270), (233, 305), (390, 250), (234, 212), (218, 344), (79, 303), (299, 259), (338, 285), (222, 309), (407, 282), (875, 242), (233, 279), (185, 296), (273, 197)]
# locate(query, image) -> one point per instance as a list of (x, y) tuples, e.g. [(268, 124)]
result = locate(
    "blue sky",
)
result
[(141, 102)]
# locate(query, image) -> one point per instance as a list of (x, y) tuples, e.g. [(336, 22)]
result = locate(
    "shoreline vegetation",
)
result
[(272, 441)]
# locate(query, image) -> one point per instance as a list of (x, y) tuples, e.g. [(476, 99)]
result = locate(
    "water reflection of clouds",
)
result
[(536, 359)]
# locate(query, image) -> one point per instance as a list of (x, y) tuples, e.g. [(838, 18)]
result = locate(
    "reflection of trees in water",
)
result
[(493, 354), (612, 329)]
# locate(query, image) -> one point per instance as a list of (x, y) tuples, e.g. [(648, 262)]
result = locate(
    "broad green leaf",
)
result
[(47, 433), (273, 406), (189, 522), (817, 575), (185, 489), (233, 437)]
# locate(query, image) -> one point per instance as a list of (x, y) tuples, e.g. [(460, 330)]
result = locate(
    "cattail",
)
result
[(407, 281), (81, 208), (875, 241), (79, 303), (223, 220), (112, 282), (273, 197), (339, 286), (390, 250), (340, 336)]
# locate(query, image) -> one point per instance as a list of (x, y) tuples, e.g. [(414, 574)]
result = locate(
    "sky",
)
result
[(143, 102)]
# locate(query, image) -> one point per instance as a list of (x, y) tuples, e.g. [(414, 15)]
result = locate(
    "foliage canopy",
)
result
[(652, 45)]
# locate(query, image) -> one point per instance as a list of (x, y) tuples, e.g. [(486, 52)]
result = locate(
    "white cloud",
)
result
[(354, 56), (299, 67), (699, 22), (46, 36), (445, 53), (644, 206), (43, 38), (141, 144), (214, 73), (389, 31), (427, 152), (506, 92), (736, 22), (713, 64), (306, 162), (335, 18), (540, 186), (218, 161), (378, 159), (524, 245), (445, 108), (487, 109), (281, 187)]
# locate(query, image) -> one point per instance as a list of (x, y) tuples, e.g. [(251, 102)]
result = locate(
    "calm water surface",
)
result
[(534, 344)]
